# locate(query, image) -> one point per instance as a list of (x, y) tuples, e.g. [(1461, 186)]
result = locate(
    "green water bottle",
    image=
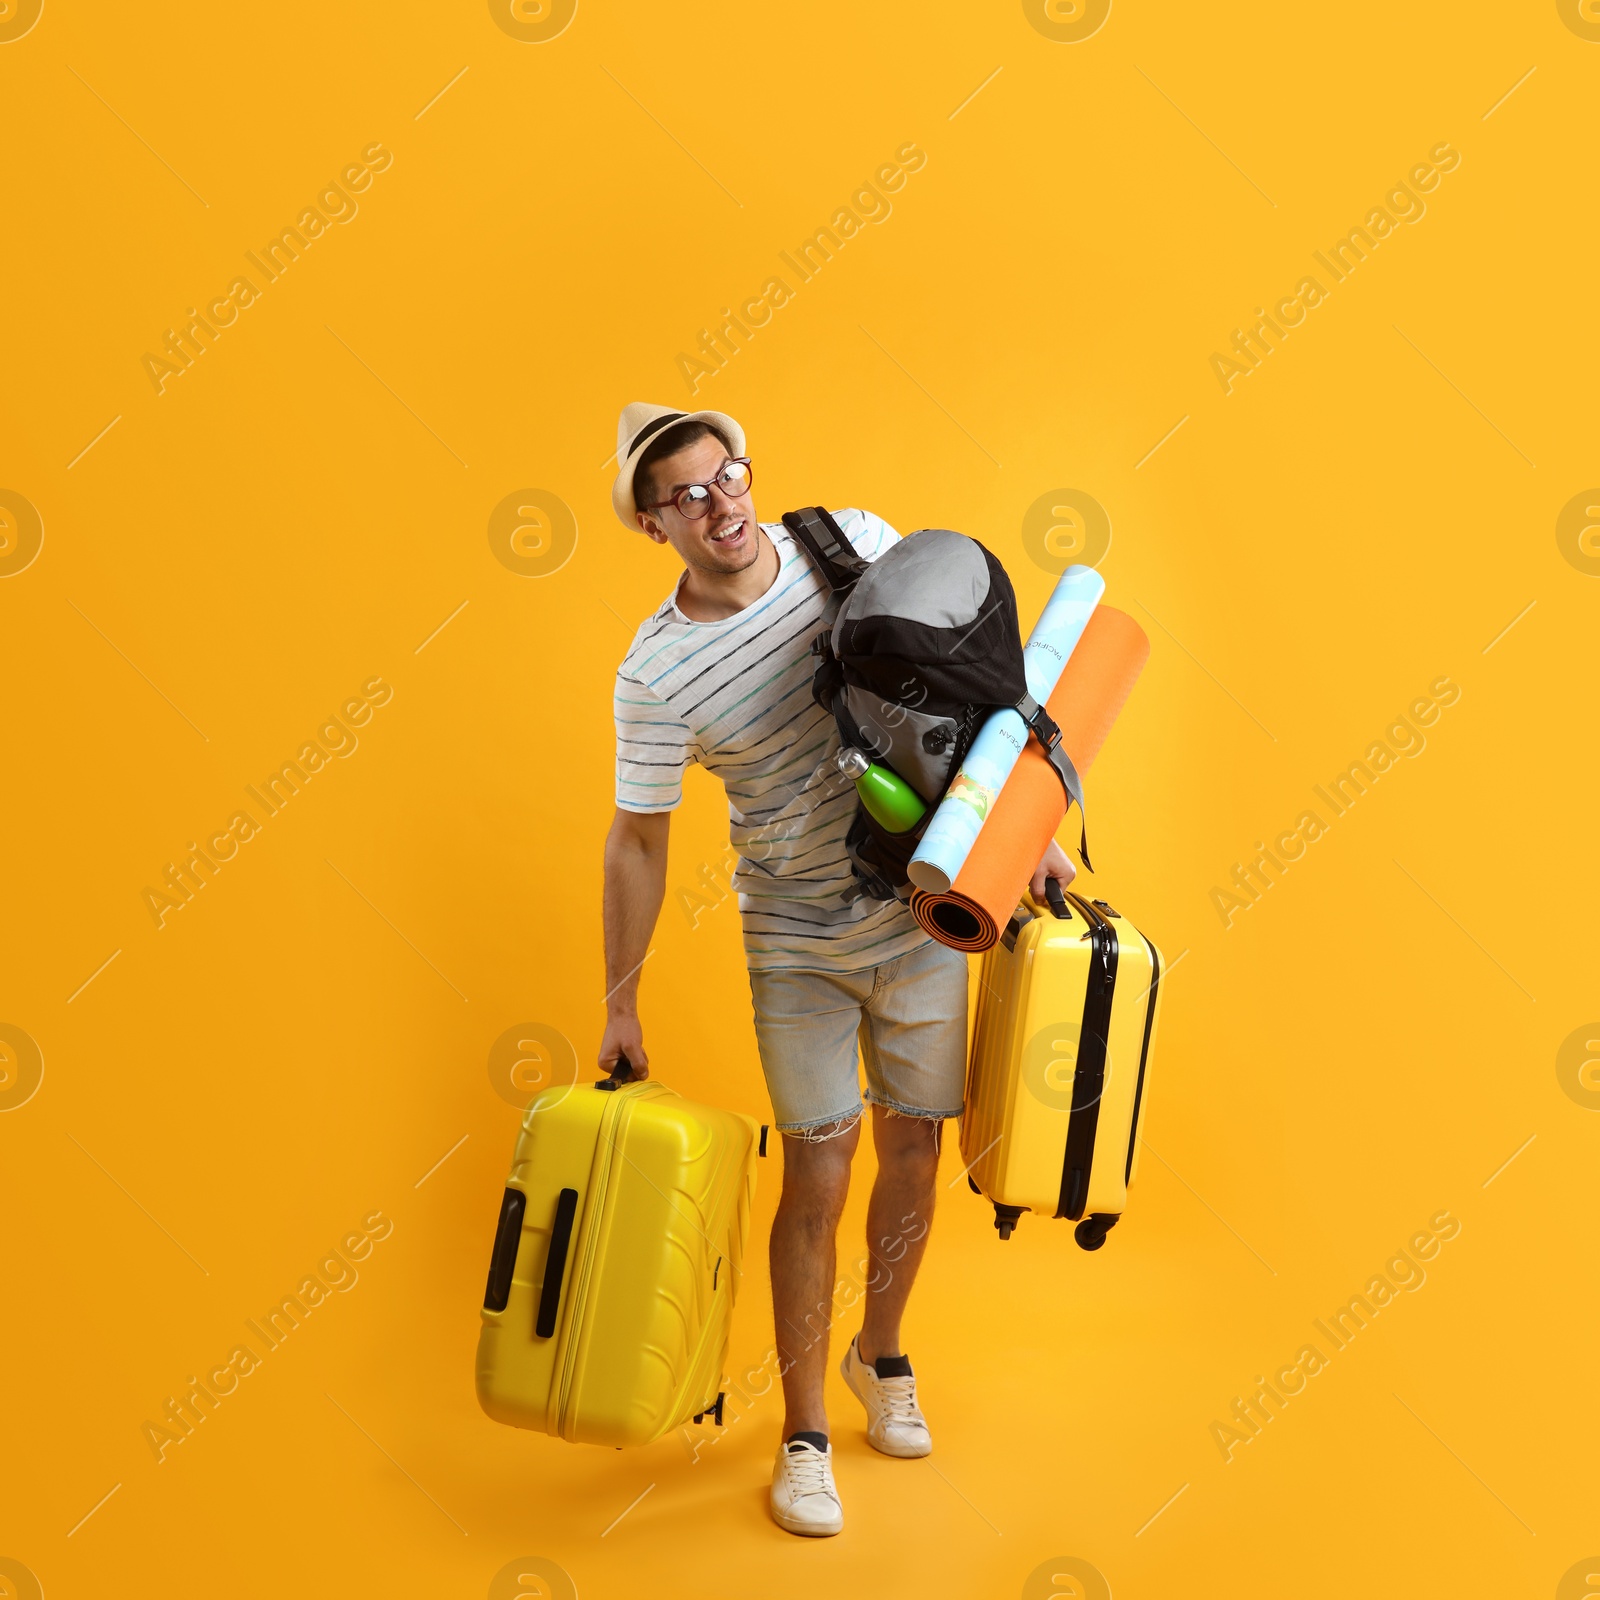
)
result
[(892, 803)]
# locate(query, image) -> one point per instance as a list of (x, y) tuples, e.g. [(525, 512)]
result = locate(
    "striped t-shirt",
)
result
[(735, 696)]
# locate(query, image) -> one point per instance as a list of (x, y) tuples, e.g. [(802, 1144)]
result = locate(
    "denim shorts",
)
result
[(910, 1015)]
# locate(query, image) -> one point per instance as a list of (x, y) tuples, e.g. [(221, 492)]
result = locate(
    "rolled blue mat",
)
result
[(954, 826)]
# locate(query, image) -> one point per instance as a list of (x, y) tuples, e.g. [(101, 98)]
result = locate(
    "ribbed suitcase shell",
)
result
[(660, 1212), (1034, 1056)]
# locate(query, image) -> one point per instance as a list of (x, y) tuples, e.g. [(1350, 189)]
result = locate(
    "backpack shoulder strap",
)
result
[(825, 544)]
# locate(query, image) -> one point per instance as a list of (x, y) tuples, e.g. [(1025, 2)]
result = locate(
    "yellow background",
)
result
[(300, 511)]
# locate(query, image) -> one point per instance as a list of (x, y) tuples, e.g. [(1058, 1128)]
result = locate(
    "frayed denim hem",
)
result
[(892, 1108), (820, 1132)]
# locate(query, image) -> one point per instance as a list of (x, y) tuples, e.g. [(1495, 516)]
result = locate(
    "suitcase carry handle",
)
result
[(555, 1264), (503, 1260), (621, 1073)]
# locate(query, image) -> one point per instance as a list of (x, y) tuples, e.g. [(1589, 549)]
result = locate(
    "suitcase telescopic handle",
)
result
[(555, 1264)]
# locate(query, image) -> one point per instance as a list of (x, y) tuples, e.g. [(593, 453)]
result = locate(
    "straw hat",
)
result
[(639, 424)]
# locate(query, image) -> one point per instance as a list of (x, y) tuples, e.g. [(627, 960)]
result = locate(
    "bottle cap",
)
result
[(851, 762)]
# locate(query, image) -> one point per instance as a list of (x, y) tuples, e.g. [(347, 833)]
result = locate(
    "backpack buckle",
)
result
[(1043, 726)]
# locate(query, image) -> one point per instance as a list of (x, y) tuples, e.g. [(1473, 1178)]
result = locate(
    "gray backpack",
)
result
[(924, 650)]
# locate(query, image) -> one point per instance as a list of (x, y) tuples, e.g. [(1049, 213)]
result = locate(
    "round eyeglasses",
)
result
[(693, 500)]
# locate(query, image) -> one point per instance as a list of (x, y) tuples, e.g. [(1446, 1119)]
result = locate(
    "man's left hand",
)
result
[(1054, 864)]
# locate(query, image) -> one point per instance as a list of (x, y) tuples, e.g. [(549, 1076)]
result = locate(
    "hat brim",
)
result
[(622, 501)]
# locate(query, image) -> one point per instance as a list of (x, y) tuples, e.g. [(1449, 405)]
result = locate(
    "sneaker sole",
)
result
[(882, 1449), (806, 1530)]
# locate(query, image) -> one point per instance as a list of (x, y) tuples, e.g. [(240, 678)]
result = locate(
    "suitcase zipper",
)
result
[(1088, 1080), (1144, 1052), (588, 1233)]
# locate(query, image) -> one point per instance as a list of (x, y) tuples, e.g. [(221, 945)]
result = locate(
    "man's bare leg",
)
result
[(899, 1215), (816, 1179)]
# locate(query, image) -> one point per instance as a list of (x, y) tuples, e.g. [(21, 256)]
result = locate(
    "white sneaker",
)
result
[(804, 1499), (894, 1424)]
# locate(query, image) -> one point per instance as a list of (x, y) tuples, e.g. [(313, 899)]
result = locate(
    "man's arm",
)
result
[(636, 884)]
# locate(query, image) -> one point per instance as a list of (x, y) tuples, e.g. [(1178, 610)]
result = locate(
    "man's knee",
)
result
[(816, 1157), (905, 1143), (816, 1179), (817, 1192)]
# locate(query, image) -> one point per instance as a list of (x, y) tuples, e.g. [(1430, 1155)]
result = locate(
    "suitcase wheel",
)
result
[(1005, 1219), (1091, 1232)]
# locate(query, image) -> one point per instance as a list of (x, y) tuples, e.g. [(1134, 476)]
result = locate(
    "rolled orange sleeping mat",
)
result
[(1092, 690)]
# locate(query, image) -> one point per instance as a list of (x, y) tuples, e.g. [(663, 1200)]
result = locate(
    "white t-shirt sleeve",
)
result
[(654, 745)]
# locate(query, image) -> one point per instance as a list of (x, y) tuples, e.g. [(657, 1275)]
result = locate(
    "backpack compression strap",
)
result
[(1045, 729), (823, 541)]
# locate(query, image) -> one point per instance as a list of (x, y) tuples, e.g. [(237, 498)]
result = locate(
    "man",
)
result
[(721, 674)]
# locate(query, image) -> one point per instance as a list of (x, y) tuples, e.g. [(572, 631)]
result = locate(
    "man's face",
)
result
[(724, 539)]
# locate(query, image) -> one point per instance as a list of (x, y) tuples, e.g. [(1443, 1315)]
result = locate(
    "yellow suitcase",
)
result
[(616, 1262), (1059, 1067)]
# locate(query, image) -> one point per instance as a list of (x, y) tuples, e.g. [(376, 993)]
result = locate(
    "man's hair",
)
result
[(676, 438)]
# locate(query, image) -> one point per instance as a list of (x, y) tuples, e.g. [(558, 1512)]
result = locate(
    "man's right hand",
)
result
[(624, 1037)]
